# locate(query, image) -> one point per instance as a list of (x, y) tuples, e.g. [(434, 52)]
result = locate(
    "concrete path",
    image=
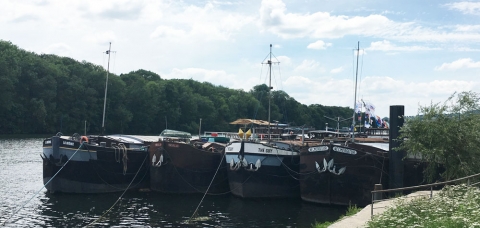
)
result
[(362, 217)]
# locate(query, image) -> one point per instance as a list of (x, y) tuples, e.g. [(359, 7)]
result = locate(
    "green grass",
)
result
[(453, 206), (351, 210)]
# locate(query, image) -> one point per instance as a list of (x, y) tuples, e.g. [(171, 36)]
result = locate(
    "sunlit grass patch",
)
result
[(453, 206)]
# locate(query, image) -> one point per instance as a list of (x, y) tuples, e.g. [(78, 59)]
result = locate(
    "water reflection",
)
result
[(21, 179)]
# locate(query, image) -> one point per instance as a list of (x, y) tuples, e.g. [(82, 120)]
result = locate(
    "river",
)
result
[(24, 202)]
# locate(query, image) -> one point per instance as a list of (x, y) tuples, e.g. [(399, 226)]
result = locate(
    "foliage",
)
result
[(446, 136), (351, 210), (45, 94), (453, 206)]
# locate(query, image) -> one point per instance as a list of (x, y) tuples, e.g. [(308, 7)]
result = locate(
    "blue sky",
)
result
[(412, 52)]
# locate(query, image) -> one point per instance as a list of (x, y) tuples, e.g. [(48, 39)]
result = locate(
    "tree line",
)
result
[(45, 94)]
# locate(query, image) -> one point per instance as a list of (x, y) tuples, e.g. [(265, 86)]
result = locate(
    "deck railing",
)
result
[(377, 194)]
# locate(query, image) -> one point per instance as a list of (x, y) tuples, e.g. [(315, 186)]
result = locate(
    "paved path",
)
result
[(361, 218)]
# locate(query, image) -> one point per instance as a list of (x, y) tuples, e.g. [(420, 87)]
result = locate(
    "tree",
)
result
[(446, 136)]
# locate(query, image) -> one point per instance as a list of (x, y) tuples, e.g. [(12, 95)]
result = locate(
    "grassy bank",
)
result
[(453, 206), (351, 210)]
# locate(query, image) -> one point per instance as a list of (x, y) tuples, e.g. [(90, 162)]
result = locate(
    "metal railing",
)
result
[(377, 194)]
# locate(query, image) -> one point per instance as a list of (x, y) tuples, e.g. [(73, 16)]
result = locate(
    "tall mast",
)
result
[(355, 100), (269, 90), (106, 87)]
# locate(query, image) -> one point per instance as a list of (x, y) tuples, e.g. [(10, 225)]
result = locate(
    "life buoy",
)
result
[(84, 138)]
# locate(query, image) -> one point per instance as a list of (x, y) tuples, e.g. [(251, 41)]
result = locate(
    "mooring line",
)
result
[(119, 198), (192, 186), (219, 165), (15, 212)]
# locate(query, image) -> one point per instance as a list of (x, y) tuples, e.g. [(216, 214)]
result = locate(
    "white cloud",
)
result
[(467, 28), (385, 45), (307, 65), (216, 77), (167, 32), (337, 70), (60, 49), (459, 64), (210, 22), (101, 37), (465, 7), (198, 74), (320, 25), (319, 45), (284, 60), (383, 92)]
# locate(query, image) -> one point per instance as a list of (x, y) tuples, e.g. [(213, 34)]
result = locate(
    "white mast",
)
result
[(269, 91), (355, 100), (106, 87)]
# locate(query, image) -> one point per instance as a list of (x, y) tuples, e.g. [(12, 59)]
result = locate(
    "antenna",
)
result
[(106, 87)]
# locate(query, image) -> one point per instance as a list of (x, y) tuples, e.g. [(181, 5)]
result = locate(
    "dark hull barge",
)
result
[(178, 165), (96, 164)]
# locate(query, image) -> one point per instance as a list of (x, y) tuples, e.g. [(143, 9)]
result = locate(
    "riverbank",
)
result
[(361, 218)]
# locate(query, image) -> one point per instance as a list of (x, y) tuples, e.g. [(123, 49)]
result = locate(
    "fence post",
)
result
[(378, 195), (371, 207)]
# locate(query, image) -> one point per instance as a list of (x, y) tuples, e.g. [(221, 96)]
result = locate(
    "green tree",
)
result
[(446, 135)]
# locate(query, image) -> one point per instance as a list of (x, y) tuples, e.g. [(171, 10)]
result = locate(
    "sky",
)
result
[(412, 53)]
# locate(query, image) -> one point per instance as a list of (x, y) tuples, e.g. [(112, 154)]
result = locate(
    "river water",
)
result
[(25, 203)]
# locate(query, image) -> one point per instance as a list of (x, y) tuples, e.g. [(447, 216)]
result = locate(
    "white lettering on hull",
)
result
[(344, 150), (318, 148), (67, 143)]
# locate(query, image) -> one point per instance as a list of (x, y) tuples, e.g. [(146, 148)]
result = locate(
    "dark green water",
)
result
[(25, 203)]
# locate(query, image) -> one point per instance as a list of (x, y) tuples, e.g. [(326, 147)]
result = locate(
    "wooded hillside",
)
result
[(45, 94)]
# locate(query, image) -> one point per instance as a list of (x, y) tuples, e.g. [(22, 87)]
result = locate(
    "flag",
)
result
[(379, 121), (367, 124), (358, 107), (369, 108)]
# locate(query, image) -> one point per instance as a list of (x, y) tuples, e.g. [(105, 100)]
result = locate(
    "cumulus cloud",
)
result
[(167, 32), (284, 60), (307, 65), (60, 49), (101, 37), (382, 91), (465, 7), (322, 25), (209, 22), (319, 45), (386, 45), (467, 28), (337, 70), (459, 64)]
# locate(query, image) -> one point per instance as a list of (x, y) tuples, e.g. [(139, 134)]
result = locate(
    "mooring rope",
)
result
[(219, 165), (119, 198), (191, 185), (15, 212)]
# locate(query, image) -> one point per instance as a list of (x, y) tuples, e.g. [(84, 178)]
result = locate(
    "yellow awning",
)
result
[(249, 121)]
